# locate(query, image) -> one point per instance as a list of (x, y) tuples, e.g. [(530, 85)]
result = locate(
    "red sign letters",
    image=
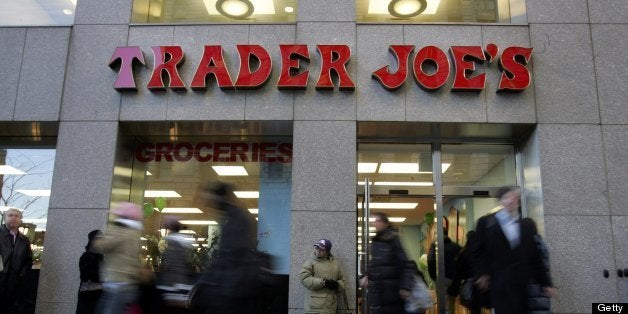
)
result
[(515, 76)]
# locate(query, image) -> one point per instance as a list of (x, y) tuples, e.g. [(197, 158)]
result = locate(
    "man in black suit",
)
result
[(505, 256)]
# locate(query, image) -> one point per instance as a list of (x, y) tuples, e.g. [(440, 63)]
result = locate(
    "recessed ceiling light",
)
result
[(254, 211), (198, 222), (67, 12), (158, 193), (391, 219), (391, 205), (418, 183), (230, 170), (34, 192), (288, 9), (367, 167), (399, 167), (246, 194), (181, 210), (6, 169)]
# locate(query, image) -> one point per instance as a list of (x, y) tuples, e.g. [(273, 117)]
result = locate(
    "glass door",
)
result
[(429, 192)]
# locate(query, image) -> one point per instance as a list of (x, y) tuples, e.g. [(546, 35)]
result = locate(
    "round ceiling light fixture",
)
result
[(406, 8), (235, 9)]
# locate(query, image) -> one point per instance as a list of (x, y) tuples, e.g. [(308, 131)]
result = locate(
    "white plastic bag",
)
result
[(420, 299)]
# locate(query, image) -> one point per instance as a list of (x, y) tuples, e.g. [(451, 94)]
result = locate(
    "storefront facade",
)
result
[(562, 135)]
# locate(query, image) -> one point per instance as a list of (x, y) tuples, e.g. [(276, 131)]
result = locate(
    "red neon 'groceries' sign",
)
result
[(515, 76)]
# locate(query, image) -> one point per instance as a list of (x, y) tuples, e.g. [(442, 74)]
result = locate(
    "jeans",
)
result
[(116, 299)]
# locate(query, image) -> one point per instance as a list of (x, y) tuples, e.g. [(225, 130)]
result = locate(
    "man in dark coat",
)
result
[(230, 283), (389, 276), (17, 259), (505, 256)]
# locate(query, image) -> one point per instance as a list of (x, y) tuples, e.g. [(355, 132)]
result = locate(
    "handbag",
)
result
[(420, 299), (536, 300), (466, 292)]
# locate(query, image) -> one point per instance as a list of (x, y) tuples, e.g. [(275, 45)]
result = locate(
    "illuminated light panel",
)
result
[(198, 222), (259, 7), (254, 211), (35, 220), (381, 7), (418, 183), (148, 173), (391, 205), (6, 169), (399, 167), (181, 210), (391, 219), (34, 192), (230, 170), (187, 231), (445, 166), (367, 167), (158, 193), (246, 194)]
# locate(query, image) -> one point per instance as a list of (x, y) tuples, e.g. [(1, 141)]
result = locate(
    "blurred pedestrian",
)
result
[(323, 279), (389, 277), (176, 273), (464, 271), (506, 258), (90, 288), (230, 284), (16, 260), (121, 269), (537, 301), (451, 251)]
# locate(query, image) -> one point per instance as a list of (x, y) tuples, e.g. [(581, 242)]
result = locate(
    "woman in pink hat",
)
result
[(121, 248)]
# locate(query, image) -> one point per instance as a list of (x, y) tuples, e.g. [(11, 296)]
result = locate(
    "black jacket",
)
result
[(18, 260), (451, 251), (389, 271), (510, 269)]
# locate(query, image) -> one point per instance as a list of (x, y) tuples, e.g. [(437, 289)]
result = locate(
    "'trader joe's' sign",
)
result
[(515, 76)]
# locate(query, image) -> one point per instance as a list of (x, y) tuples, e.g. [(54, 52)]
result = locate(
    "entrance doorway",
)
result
[(433, 193)]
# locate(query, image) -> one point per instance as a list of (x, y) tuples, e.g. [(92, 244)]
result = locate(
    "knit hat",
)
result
[(128, 210)]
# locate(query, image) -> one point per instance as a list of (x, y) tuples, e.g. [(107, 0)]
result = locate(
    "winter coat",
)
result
[(318, 298), (17, 260), (121, 249), (388, 272), (510, 268), (176, 261), (451, 251), (233, 272)]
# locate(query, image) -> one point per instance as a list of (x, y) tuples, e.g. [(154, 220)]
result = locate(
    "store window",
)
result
[(441, 11), (166, 173), (37, 13), (26, 175), (214, 11)]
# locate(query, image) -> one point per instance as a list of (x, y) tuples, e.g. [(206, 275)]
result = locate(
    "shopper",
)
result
[(506, 258), (230, 284), (389, 277), (176, 270), (323, 280), (90, 288), (16, 260), (450, 253), (121, 265)]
